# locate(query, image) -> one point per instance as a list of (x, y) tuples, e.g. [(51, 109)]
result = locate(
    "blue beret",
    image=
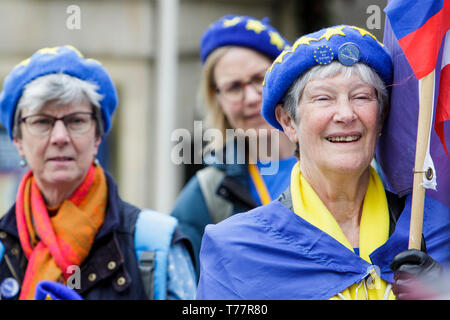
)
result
[(243, 31), (64, 59), (51, 290), (346, 44)]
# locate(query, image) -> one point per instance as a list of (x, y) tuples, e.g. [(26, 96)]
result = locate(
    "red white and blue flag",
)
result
[(417, 36)]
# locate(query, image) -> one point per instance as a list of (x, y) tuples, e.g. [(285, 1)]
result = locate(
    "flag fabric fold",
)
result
[(416, 35)]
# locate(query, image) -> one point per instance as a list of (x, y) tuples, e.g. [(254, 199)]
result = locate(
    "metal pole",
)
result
[(167, 183)]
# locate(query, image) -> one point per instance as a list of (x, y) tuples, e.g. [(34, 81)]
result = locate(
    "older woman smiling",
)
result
[(334, 232)]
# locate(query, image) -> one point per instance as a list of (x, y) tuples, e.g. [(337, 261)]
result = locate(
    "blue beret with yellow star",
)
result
[(64, 59), (243, 31), (51, 290), (343, 43)]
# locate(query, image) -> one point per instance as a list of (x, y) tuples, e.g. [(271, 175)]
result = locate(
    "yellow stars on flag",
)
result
[(331, 32), (255, 25), (276, 39), (231, 22)]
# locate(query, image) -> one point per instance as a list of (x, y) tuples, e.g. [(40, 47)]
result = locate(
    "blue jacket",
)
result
[(272, 253), (228, 196), (192, 212), (115, 242)]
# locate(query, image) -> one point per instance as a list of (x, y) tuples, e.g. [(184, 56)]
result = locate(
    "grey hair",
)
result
[(365, 73), (63, 89)]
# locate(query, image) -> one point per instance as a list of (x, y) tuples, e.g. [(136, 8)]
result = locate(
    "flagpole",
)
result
[(423, 131)]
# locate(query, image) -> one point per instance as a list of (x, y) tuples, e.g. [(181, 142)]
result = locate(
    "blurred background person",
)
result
[(56, 107), (235, 52)]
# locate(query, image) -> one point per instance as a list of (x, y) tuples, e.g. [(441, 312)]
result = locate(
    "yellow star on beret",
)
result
[(255, 25), (276, 40), (303, 40), (23, 63), (363, 32), (76, 50), (331, 32), (53, 50), (94, 60), (279, 59), (231, 22)]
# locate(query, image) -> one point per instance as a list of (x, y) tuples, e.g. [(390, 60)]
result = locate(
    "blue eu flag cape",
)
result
[(272, 253)]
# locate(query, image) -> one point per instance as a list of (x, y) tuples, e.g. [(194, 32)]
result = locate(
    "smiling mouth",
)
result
[(344, 139)]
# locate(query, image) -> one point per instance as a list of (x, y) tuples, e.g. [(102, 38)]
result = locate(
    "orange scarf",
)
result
[(52, 244)]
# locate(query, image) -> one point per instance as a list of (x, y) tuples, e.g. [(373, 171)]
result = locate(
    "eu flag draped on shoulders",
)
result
[(418, 38), (294, 247)]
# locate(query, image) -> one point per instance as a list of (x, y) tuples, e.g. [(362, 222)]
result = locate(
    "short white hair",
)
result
[(365, 73), (62, 88)]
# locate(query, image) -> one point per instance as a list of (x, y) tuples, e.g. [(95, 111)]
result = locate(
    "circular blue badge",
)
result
[(323, 54), (9, 288), (349, 54)]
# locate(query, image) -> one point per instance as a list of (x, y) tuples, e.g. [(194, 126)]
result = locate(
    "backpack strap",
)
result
[(2, 251), (152, 240), (210, 179)]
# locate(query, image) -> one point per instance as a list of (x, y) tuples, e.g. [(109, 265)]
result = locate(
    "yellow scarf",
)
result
[(374, 227)]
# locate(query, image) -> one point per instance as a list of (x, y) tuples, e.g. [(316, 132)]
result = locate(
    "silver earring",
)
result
[(23, 163), (96, 162)]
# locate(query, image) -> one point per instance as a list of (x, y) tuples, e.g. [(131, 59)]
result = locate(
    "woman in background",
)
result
[(235, 52)]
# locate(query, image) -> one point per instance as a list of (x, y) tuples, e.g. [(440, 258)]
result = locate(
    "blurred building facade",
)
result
[(150, 48)]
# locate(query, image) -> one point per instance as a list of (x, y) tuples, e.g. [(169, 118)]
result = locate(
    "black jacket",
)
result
[(110, 271)]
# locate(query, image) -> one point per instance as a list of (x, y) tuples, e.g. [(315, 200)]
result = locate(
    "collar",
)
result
[(395, 206)]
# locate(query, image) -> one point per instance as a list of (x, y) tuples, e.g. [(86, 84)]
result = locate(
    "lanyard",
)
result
[(259, 183)]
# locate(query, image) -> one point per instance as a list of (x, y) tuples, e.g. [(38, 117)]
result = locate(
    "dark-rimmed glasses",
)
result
[(77, 123), (234, 91)]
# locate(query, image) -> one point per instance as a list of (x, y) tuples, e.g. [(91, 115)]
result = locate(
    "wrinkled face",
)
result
[(234, 69), (338, 124), (59, 158)]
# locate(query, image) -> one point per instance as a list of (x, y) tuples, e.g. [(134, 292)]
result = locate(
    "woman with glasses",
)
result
[(249, 163), (68, 224)]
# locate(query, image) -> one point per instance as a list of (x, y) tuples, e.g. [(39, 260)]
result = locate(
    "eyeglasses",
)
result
[(77, 123), (234, 91)]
